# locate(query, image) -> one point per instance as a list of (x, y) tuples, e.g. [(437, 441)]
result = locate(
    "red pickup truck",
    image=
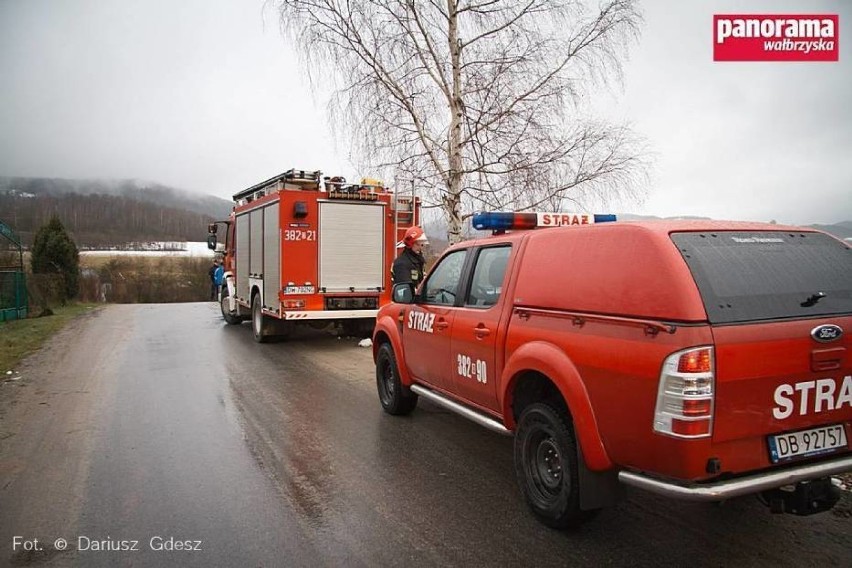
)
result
[(698, 360)]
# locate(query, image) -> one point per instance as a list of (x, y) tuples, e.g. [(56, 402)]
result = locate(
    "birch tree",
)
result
[(480, 102)]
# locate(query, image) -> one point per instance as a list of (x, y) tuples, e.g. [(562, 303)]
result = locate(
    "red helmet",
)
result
[(414, 235)]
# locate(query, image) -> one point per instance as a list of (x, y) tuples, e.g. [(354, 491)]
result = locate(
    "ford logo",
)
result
[(826, 333)]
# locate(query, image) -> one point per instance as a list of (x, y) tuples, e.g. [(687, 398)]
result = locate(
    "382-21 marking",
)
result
[(297, 235)]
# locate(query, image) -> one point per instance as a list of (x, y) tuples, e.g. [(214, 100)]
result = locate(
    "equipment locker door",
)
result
[(242, 252), (351, 246), (271, 257)]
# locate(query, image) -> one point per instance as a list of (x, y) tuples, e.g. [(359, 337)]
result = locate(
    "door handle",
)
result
[(441, 325), (481, 331)]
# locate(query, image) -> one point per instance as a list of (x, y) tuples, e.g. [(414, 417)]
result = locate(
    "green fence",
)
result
[(13, 295), (13, 284)]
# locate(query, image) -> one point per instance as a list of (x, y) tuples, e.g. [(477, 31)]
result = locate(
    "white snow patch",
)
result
[(197, 249)]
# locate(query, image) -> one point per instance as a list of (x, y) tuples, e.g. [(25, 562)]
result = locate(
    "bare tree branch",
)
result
[(476, 101)]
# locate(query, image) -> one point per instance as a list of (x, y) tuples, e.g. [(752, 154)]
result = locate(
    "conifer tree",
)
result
[(55, 253)]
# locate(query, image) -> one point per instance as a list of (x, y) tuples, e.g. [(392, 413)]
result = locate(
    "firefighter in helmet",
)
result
[(408, 266)]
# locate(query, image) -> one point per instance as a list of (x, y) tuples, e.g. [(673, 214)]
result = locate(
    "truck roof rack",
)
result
[(299, 179)]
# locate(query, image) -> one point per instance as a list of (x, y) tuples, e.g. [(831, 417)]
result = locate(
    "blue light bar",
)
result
[(505, 221), (606, 218)]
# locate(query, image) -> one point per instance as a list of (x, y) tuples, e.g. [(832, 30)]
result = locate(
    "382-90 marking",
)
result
[(472, 369)]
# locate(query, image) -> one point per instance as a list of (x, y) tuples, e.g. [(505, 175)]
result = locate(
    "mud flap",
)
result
[(598, 489), (280, 328)]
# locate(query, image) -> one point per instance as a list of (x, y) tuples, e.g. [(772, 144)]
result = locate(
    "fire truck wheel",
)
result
[(259, 323), (230, 317), (546, 466), (396, 398)]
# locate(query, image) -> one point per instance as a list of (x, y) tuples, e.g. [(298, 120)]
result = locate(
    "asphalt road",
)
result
[(159, 424)]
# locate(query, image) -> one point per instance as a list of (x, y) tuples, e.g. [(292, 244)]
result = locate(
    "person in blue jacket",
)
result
[(218, 278)]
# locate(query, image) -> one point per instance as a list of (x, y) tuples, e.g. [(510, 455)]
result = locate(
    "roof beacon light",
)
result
[(504, 221)]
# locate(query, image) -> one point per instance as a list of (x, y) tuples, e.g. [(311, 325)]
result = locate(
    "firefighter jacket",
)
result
[(408, 267)]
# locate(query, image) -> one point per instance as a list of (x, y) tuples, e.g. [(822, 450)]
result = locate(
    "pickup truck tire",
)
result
[(396, 399), (259, 322), (224, 303), (546, 466)]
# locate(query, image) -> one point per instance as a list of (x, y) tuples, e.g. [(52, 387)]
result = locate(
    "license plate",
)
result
[(298, 289), (826, 439)]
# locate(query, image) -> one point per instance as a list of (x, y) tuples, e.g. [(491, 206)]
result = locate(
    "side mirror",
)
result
[(403, 293), (211, 241)]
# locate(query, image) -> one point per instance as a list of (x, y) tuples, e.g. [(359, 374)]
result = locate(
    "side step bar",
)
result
[(468, 413)]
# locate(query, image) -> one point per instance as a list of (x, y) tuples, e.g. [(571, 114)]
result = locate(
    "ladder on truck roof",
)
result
[(404, 213), (291, 179)]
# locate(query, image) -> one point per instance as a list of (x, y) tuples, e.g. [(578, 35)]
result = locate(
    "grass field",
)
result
[(145, 279), (141, 262), (19, 338)]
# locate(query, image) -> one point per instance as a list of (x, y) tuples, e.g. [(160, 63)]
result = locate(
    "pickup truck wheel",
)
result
[(259, 325), (396, 399), (546, 466), (230, 317)]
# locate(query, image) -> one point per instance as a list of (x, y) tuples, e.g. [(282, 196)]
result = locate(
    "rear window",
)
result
[(751, 276)]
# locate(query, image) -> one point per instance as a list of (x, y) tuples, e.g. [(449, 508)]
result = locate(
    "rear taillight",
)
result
[(685, 395)]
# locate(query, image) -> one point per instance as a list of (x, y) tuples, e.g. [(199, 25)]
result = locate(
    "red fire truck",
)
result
[(303, 248)]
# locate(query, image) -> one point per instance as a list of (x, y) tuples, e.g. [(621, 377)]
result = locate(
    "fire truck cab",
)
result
[(301, 248)]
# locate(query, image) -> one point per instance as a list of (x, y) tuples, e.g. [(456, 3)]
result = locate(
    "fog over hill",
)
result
[(108, 212), (150, 192), (102, 212)]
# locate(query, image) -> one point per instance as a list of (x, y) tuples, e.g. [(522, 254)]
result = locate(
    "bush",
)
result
[(45, 290)]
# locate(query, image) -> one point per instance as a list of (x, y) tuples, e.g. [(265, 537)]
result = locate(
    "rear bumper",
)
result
[(328, 314), (721, 490)]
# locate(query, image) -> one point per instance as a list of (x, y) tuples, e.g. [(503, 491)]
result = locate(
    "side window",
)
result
[(443, 283), (487, 282)]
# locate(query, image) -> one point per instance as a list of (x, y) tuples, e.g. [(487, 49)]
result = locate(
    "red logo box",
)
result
[(776, 37)]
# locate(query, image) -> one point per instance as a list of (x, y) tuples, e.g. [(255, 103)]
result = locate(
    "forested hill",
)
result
[(99, 213)]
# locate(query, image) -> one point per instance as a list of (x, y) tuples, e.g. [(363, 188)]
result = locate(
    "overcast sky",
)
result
[(206, 96)]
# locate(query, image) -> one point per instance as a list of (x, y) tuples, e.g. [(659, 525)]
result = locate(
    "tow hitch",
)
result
[(804, 498)]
